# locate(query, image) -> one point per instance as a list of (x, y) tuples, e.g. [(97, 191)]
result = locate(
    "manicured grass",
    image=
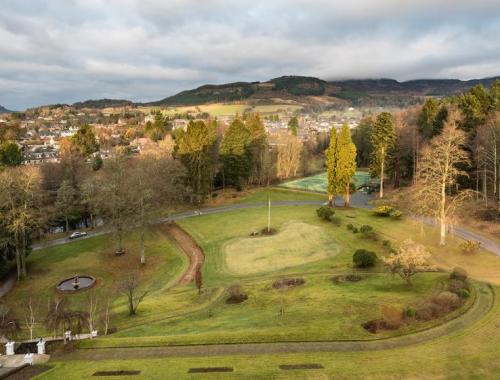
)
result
[(318, 310), (469, 353), (295, 244)]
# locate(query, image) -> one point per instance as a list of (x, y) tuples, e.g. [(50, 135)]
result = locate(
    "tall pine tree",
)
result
[(235, 154), (383, 139), (346, 163), (331, 167)]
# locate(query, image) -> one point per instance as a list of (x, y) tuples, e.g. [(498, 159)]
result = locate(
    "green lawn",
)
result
[(94, 256), (468, 353), (316, 311)]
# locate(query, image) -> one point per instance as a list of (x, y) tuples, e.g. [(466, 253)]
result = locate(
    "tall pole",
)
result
[(268, 213)]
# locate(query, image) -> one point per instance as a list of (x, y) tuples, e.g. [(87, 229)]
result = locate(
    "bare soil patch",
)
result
[(192, 250), (117, 373), (210, 369)]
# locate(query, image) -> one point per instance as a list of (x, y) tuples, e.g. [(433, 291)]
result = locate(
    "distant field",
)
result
[(318, 182), (220, 109)]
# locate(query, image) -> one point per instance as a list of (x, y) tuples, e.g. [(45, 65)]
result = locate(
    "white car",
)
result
[(77, 234)]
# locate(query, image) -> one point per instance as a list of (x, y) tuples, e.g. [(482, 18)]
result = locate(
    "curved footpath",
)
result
[(192, 250), (483, 304)]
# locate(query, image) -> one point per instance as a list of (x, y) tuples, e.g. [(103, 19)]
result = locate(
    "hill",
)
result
[(103, 103), (305, 89), (4, 110)]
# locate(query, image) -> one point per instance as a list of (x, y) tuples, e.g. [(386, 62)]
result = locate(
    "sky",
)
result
[(143, 50)]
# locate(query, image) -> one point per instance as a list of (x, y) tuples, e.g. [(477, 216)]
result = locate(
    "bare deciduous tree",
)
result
[(437, 192), (288, 160), (31, 309), (129, 286), (409, 259)]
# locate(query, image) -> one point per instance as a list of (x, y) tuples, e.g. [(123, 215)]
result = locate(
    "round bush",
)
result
[(446, 300), (458, 274), (411, 312), (325, 212), (463, 293), (363, 258)]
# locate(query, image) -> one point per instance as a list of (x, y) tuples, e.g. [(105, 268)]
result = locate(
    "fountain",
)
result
[(75, 284)]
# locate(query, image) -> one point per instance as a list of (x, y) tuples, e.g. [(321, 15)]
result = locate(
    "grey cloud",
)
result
[(64, 51)]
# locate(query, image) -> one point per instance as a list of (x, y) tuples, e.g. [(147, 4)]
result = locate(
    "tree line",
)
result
[(132, 191)]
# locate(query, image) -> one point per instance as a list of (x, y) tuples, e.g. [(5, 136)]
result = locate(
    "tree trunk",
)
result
[(143, 248), (18, 258), (347, 196), (381, 193), (268, 213), (442, 215), (67, 223), (330, 200)]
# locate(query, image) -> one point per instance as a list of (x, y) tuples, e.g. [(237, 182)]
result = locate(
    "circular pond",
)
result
[(76, 283)]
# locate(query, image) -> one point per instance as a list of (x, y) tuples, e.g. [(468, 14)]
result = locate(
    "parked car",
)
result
[(77, 234)]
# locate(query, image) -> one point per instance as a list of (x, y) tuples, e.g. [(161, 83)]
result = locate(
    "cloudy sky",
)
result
[(70, 50)]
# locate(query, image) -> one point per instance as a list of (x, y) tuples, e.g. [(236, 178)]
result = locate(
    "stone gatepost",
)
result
[(41, 347), (9, 348)]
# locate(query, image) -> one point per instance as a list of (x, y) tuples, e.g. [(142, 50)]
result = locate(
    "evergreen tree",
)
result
[(346, 163), (331, 167), (258, 147), (293, 125), (10, 154), (85, 141), (427, 118), (383, 139), (195, 148), (235, 154)]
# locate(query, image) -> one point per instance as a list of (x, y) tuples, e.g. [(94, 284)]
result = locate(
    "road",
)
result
[(357, 200)]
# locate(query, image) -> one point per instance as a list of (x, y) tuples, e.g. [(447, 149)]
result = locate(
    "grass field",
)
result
[(316, 311), (320, 310), (295, 244), (222, 109), (317, 183)]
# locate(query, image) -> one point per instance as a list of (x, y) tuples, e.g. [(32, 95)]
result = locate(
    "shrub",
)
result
[(368, 232), (363, 258), (427, 311), (455, 286), (350, 227), (446, 301), (325, 212), (288, 283), (411, 312), (458, 274), (463, 293), (396, 214), (236, 295), (392, 317), (383, 210), (470, 247)]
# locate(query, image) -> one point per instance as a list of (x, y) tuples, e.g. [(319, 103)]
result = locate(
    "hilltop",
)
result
[(310, 89), (4, 110)]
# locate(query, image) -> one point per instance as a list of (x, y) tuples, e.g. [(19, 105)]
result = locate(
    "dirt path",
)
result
[(192, 250)]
